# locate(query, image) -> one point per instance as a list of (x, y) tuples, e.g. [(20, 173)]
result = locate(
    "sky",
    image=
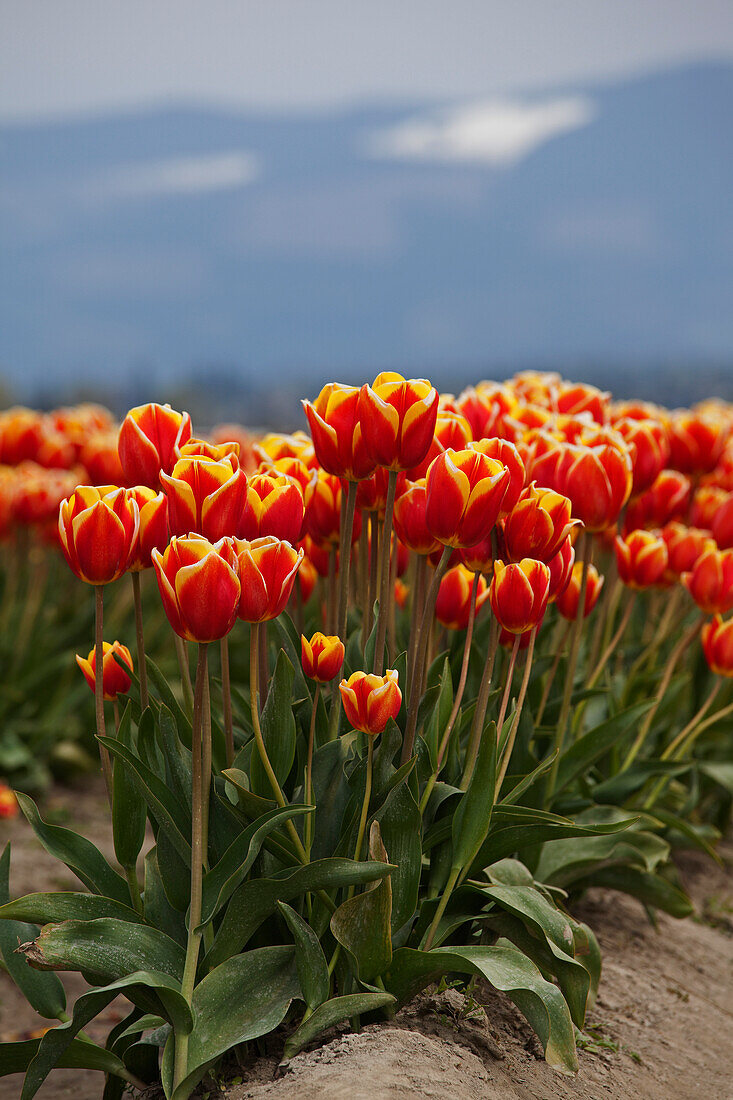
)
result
[(61, 58)]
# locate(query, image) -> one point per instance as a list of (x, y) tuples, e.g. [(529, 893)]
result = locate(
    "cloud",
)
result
[(179, 176), (495, 132)]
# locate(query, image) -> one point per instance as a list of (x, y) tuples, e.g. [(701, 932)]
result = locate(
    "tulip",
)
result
[(452, 432), (317, 555), (576, 398), (38, 493), (236, 433), (453, 605), (398, 420), (519, 594), (567, 602), (150, 440), (307, 577), (334, 420), (21, 435), (115, 680), (98, 455), (371, 494), (706, 503), (710, 582), (322, 517), (717, 644), (267, 570), (480, 557), (648, 442), (206, 496), (538, 525), (667, 499), (401, 594), (8, 802), (502, 450), (199, 585), (275, 446), (722, 524), (598, 481), (484, 407), (273, 506), (290, 467), (201, 448), (410, 520), (696, 441), (98, 530), (684, 546), (641, 558), (465, 490), (561, 569), (321, 657), (370, 701), (153, 529)]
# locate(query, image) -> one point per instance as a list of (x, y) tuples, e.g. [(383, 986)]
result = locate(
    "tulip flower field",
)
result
[(377, 702)]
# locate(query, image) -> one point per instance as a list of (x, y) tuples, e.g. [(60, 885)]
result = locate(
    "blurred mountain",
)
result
[(589, 229)]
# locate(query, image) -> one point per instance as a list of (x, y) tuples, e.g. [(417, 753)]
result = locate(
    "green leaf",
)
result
[(66, 905), (576, 760), (440, 712), (508, 970), (278, 728), (107, 948), (620, 787), (400, 825), (177, 756), (78, 853), (472, 817), (567, 862), (128, 808), (651, 889), (511, 835), (158, 910), (222, 880), (309, 957), (80, 1054), (257, 899), (720, 771), (523, 784), (247, 996), (183, 722), (331, 794), (362, 924), (44, 992), (330, 1013)]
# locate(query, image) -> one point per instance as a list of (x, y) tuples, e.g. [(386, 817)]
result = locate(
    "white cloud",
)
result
[(179, 176), (498, 132)]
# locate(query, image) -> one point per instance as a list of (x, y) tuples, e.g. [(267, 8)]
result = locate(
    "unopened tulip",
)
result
[(696, 440), (409, 518), (707, 500), (480, 557), (598, 481), (575, 398), (484, 407), (398, 419), (8, 802), (561, 569), (641, 558), (370, 701), (335, 425), (99, 457), (322, 519), (21, 435), (153, 529), (465, 490), (722, 523), (206, 496), (710, 582), (667, 499), (684, 546), (199, 586), (648, 443), (115, 680), (276, 446), (401, 594), (519, 594), (717, 644), (267, 570), (150, 440), (567, 602), (538, 524), (98, 530), (273, 506), (502, 450), (452, 432), (453, 605), (371, 495), (202, 448), (321, 657)]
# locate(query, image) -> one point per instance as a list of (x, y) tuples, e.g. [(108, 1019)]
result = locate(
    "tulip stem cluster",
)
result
[(384, 575)]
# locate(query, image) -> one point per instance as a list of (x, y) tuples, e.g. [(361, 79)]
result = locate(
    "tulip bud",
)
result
[(115, 680), (322, 518), (370, 701), (98, 455), (453, 604), (710, 582), (484, 407), (696, 441), (641, 558), (153, 529), (322, 657), (668, 499), (215, 452), (519, 594), (598, 481), (371, 494), (150, 440), (409, 518), (98, 530), (479, 558), (706, 503), (8, 802), (465, 490), (502, 450), (306, 578), (561, 569), (267, 570), (21, 435), (577, 398), (205, 496), (452, 432), (398, 420), (567, 602), (717, 644), (648, 444), (273, 447), (684, 546), (538, 525), (199, 586), (334, 420), (401, 594), (273, 506)]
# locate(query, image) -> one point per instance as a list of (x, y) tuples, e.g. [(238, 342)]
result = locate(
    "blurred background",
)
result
[(226, 204)]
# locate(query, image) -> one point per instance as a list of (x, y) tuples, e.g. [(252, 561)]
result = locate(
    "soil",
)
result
[(661, 1029)]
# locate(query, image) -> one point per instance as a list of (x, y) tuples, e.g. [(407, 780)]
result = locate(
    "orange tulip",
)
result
[(37, 493), (398, 420), (409, 518), (598, 481), (267, 569), (717, 644), (648, 443), (641, 558), (452, 432), (153, 530), (276, 446), (667, 499), (115, 680), (98, 530), (206, 496), (273, 506), (21, 435), (561, 569), (201, 448), (337, 433), (370, 701), (538, 524), (8, 802), (401, 594), (322, 519), (465, 490), (317, 556), (567, 602), (722, 523), (321, 657), (150, 440), (710, 582), (98, 455), (371, 495), (484, 407), (479, 558), (706, 503), (236, 433), (502, 450), (696, 440), (576, 398), (684, 546), (307, 577), (199, 586), (453, 605), (519, 594)]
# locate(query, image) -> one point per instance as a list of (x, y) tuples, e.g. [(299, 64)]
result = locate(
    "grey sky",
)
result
[(61, 57)]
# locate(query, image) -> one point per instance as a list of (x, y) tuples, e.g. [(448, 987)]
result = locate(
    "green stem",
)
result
[(309, 773), (482, 703), (134, 887), (364, 579), (517, 715), (226, 695), (99, 687), (142, 670), (507, 687), (385, 596), (193, 942), (347, 530), (450, 884), (418, 597), (562, 637), (375, 541), (366, 800), (185, 671), (609, 650)]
